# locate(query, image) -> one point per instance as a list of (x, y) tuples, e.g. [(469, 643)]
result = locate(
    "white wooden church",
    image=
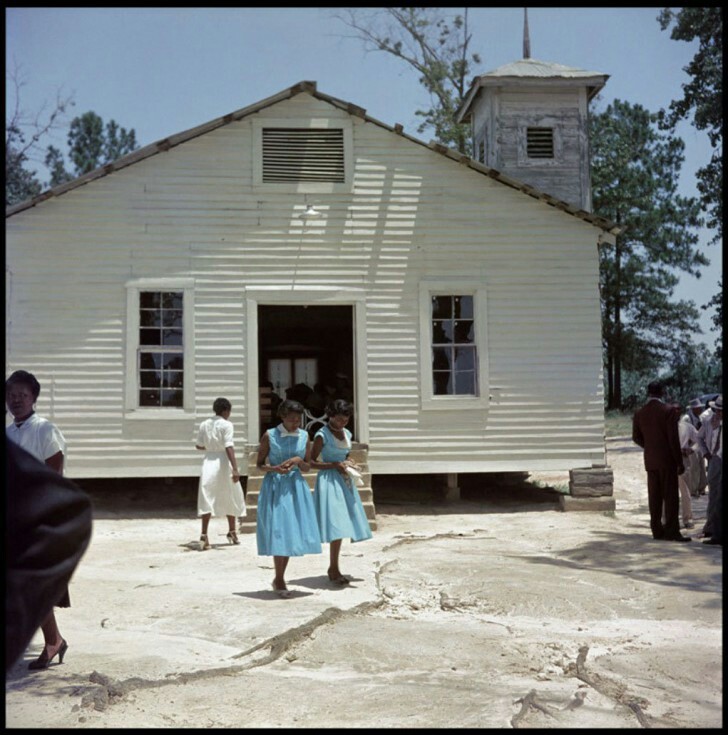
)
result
[(298, 239)]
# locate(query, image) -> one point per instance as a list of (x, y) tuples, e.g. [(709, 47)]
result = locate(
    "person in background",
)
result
[(654, 428), (710, 441), (44, 441), (691, 457), (692, 415), (286, 524), (694, 477), (48, 523), (339, 509), (219, 492)]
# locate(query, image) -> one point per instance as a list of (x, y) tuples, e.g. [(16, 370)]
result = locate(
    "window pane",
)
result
[(172, 336), (173, 379), (173, 361), (150, 360), (149, 299), (442, 332), (172, 299), (149, 318), (463, 307), (464, 332), (465, 358), (441, 359), (150, 378), (150, 337), (441, 383), (441, 307), (172, 398), (465, 383), (172, 318), (148, 397)]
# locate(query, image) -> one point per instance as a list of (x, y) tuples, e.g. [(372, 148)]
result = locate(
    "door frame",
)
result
[(277, 296)]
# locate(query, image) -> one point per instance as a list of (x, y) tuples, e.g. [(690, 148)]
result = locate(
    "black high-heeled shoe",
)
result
[(43, 662)]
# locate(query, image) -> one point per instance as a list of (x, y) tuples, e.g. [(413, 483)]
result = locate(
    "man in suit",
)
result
[(654, 428)]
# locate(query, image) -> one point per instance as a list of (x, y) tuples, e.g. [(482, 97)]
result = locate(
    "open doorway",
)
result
[(305, 353)]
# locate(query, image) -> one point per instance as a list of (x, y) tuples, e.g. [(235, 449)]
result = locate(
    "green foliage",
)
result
[(437, 49), (20, 183), (717, 303), (635, 170), (702, 96), (693, 370), (618, 423), (90, 146), (22, 135)]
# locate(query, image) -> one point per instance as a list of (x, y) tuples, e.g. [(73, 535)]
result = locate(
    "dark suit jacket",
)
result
[(654, 428), (48, 527)]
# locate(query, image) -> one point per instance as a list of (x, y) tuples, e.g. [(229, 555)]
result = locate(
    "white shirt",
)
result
[(215, 434), (710, 438), (687, 432), (38, 436)]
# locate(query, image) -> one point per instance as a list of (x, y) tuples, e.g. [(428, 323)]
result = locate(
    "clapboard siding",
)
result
[(412, 214)]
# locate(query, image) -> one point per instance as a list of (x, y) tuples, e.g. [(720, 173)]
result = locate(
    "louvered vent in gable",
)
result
[(540, 142), (292, 155)]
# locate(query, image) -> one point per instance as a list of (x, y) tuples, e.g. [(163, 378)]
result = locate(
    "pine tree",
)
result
[(90, 146), (635, 170)]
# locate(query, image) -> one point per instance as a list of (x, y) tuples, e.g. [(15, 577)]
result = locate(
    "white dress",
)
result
[(217, 493)]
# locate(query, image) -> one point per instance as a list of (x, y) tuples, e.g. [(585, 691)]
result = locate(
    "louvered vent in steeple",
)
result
[(293, 155)]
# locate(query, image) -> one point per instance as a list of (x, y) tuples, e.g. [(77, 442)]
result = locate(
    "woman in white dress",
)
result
[(219, 492)]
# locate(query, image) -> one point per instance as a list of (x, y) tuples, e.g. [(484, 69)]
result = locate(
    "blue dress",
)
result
[(286, 524), (339, 509)]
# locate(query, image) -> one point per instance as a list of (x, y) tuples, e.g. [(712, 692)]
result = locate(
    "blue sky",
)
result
[(162, 71)]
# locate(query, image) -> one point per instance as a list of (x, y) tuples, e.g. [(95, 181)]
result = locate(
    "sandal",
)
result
[(284, 593), (340, 579)]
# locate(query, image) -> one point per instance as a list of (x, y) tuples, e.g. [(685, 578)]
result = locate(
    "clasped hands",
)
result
[(285, 467)]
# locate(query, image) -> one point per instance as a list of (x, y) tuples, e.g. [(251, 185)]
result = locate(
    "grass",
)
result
[(617, 423)]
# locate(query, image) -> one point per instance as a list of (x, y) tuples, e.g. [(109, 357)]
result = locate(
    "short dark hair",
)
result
[(656, 388), (339, 407), (289, 406), (220, 405), (26, 378)]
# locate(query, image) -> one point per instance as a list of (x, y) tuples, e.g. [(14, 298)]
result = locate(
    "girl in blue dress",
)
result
[(339, 509), (286, 523)]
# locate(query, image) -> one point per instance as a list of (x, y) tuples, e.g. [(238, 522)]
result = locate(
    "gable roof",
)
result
[(309, 88)]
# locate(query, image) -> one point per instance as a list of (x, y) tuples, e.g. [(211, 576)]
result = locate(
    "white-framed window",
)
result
[(160, 360), (306, 155), (453, 345)]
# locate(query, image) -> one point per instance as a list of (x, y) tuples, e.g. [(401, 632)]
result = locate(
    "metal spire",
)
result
[(526, 39)]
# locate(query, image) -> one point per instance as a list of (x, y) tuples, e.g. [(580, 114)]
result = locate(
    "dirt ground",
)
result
[(492, 613)]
